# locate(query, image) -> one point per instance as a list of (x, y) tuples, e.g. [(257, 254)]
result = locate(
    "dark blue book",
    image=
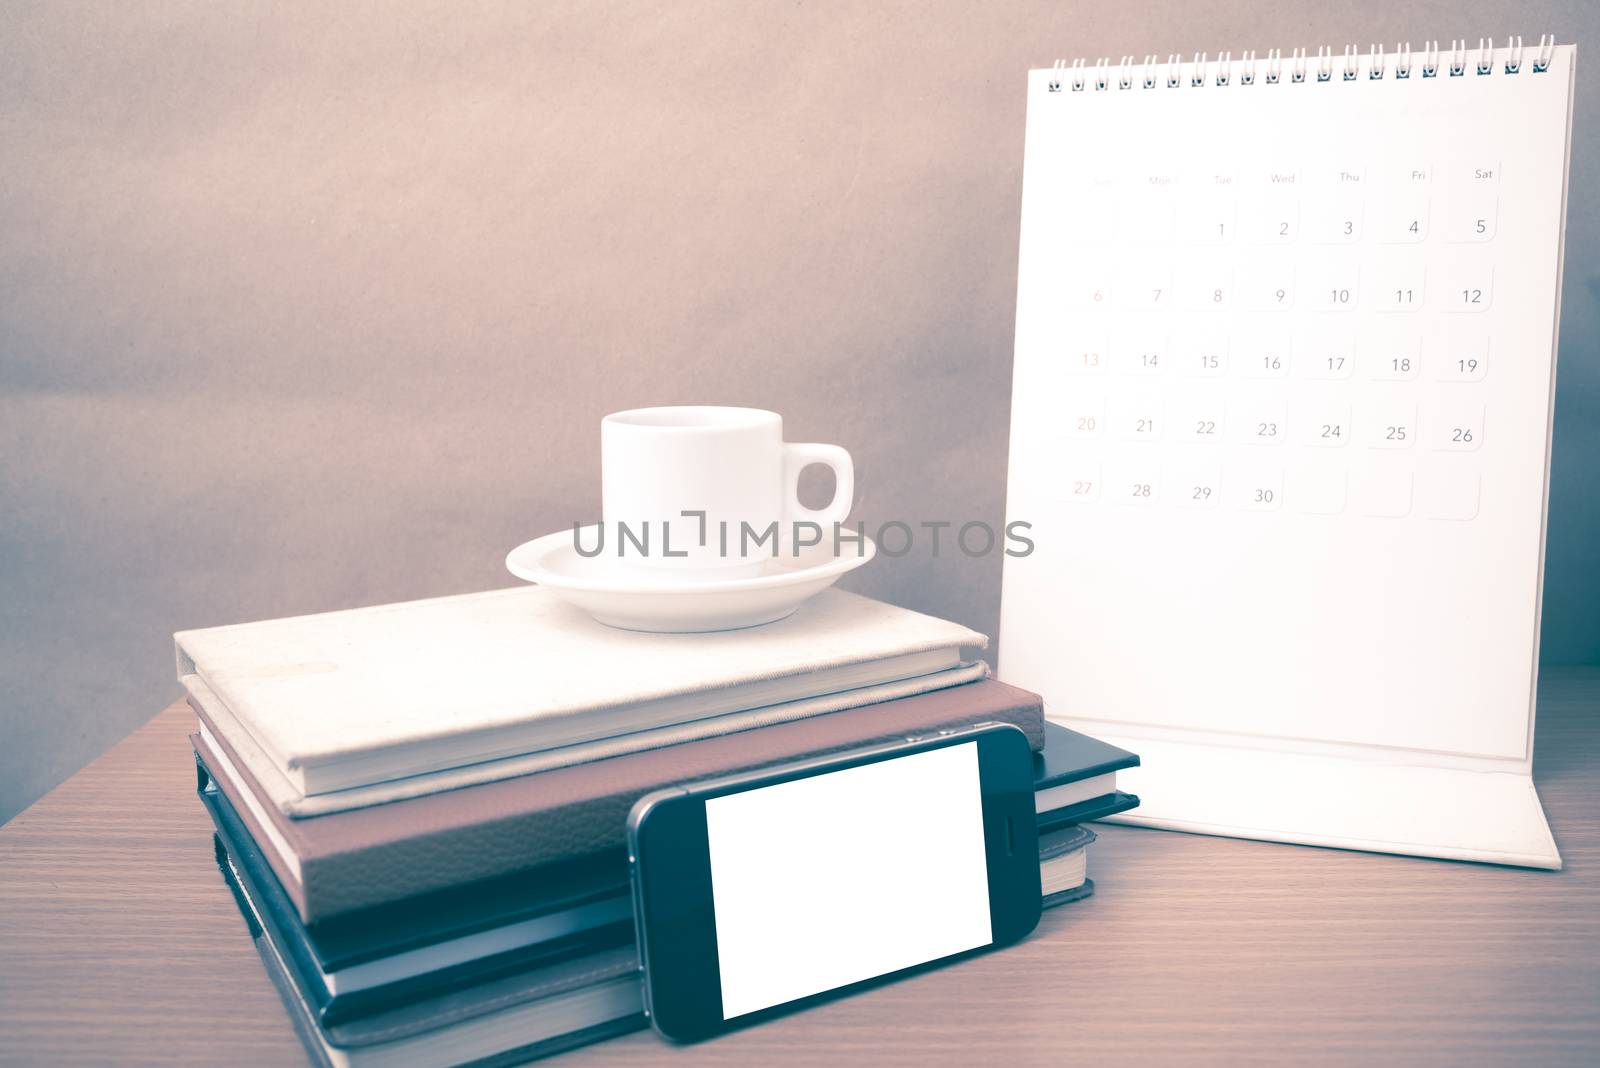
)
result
[(1075, 778)]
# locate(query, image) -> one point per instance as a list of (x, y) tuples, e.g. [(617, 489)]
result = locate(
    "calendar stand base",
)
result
[(1372, 804)]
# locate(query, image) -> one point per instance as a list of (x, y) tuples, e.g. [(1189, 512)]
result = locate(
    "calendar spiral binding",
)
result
[(1455, 62)]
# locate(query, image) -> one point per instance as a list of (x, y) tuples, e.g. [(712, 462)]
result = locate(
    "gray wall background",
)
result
[(310, 307)]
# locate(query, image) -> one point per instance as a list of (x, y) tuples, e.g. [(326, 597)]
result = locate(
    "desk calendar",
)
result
[(1281, 416)]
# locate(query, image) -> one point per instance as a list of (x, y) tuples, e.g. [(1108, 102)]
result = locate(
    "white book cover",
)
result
[(345, 701)]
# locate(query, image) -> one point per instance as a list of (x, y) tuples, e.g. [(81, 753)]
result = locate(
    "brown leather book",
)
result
[(356, 859)]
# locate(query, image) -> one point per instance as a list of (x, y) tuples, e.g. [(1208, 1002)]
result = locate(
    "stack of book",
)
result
[(421, 808)]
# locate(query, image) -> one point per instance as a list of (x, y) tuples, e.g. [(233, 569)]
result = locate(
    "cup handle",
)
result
[(796, 457)]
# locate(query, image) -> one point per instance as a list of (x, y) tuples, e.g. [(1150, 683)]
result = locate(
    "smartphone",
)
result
[(761, 892)]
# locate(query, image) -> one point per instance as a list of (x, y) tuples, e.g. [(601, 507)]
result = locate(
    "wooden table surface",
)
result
[(119, 943)]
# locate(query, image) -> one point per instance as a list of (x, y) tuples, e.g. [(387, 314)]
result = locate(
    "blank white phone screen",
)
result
[(829, 880)]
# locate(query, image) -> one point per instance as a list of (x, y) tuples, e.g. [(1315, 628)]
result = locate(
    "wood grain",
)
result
[(120, 944)]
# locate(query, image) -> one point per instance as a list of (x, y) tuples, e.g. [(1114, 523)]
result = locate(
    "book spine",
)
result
[(291, 885), (232, 840)]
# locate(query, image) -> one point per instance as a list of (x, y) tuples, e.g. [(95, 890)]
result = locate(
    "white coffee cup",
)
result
[(733, 465)]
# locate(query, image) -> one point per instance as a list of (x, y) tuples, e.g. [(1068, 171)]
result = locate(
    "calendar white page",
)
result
[(1282, 400)]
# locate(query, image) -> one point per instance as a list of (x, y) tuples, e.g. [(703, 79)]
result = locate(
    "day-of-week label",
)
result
[(1331, 175)]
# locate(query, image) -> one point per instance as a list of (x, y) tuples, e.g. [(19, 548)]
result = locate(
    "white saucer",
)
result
[(623, 597)]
